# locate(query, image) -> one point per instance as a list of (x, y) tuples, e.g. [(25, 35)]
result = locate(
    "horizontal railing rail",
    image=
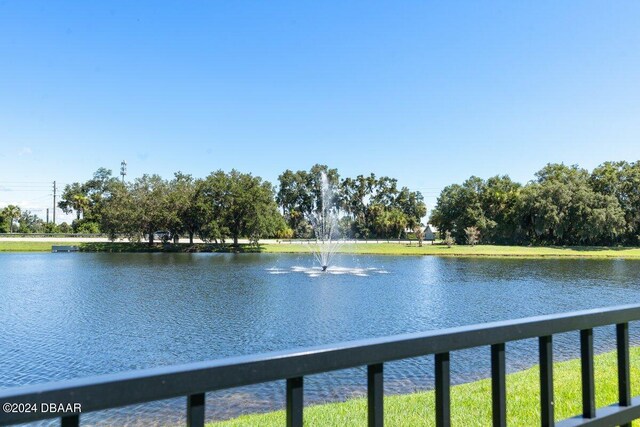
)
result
[(194, 379)]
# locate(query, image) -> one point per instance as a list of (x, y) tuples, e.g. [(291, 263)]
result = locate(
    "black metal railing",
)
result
[(193, 380)]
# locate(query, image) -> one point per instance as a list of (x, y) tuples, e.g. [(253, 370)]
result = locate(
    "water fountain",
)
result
[(324, 221)]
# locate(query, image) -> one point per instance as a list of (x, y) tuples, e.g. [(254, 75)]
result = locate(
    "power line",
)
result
[(24, 186), (54, 202), (28, 184), (23, 191), (23, 182)]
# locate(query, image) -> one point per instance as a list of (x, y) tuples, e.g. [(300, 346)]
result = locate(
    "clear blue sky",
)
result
[(426, 92)]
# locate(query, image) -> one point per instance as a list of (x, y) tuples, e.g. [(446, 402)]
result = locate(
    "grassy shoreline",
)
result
[(468, 251), (471, 402), (349, 248)]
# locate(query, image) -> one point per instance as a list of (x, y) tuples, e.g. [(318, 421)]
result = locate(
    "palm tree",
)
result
[(80, 203), (12, 212), (72, 199)]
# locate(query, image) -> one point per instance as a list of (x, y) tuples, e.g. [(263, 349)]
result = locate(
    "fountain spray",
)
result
[(325, 225)]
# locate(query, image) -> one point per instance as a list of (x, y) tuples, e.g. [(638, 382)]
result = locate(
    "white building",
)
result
[(430, 232)]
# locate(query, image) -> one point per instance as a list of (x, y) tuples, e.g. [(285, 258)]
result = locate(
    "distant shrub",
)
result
[(448, 239), (419, 233), (64, 228), (473, 235)]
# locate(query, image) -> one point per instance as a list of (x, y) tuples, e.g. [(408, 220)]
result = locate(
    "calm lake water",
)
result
[(73, 315)]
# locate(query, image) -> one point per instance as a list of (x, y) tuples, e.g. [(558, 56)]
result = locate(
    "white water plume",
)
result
[(325, 225)]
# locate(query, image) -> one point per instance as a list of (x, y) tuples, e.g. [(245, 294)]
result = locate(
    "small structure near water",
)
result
[(56, 248), (430, 232)]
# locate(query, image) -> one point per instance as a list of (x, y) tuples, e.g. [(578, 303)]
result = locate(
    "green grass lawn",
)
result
[(471, 402), (359, 248), (17, 246), (463, 250), (34, 246)]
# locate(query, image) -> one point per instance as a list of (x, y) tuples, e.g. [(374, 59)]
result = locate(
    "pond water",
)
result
[(73, 315)]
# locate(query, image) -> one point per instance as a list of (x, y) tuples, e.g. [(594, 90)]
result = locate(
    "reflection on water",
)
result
[(73, 315)]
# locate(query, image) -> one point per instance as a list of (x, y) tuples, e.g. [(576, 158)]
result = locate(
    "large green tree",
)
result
[(365, 205), (300, 196), (153, 210), (4, 222), (561, 207), (190, 212), (356, 199), (242, 205), (411, 205), (119, 214), (622, 181), (30, 223), (461, 206), (71, 195), (86, 200), (138, 209), (295, 199), (11, 214), (500, 199), (377, 207)]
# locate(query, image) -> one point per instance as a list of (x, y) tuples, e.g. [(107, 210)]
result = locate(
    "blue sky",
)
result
[(426, 92)]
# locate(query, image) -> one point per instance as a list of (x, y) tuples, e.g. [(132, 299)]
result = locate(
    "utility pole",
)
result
[(47, 215), (54, 202), (123, 169)]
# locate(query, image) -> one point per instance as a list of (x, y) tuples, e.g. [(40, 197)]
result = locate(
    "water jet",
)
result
[(324, 221)]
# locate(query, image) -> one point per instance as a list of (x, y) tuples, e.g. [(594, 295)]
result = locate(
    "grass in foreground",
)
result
[(471, 402)]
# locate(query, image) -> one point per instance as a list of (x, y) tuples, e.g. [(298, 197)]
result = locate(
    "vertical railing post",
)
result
[(546, 381), (624, 379), (295, 403), (375, 395), (70, 421), (443, 390), (498, 386), (195, 410), (588, 381)]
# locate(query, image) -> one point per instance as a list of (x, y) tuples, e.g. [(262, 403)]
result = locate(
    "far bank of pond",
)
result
[(372, 248)]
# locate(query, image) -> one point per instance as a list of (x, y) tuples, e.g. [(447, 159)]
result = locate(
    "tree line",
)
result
[(230, 205), (563, 205), (13, 219), (367, 206)]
